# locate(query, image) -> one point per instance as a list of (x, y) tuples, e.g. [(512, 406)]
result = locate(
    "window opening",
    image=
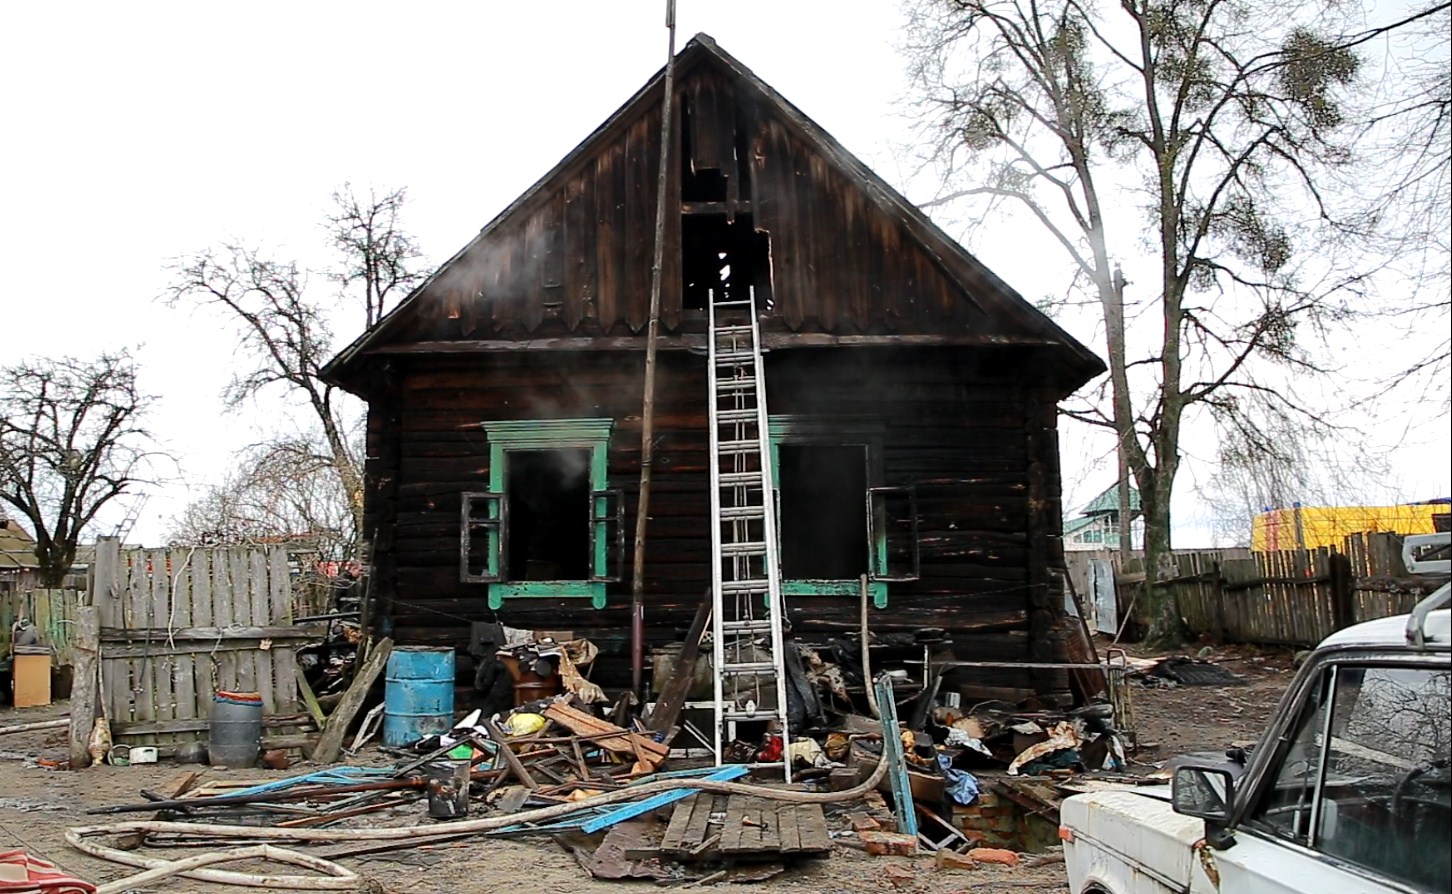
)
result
[(823, 511), (549, 499), (723, 257)]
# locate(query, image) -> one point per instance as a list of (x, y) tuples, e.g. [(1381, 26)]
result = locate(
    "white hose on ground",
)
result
[(338, 878), (75, 836), (866, 661)]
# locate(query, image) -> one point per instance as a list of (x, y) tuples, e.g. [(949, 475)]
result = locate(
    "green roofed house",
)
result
[(1097, 527)]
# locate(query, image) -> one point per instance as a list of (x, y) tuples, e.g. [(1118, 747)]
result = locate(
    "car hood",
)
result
[(1143, 829)]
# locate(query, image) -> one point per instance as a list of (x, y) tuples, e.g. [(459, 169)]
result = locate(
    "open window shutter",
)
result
[(892, 534), (483, 537), (607, 535)]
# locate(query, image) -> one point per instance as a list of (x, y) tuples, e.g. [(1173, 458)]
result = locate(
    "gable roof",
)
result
[(17, 546), (512, 276), (1108, 502)]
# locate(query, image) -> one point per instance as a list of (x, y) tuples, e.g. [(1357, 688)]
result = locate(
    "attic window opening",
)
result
[(549, 538), (723, 257)]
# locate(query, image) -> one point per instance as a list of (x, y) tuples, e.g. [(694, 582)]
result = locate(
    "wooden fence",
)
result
[(178, 625), (52, 612), (1293, 597)]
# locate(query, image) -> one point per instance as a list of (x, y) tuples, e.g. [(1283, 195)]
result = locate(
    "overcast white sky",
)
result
[(138, 132)]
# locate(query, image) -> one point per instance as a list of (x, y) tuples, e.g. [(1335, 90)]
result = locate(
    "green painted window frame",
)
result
[(806, 432), (505, 437)]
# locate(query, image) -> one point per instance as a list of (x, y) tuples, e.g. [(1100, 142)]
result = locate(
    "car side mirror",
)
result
[(1204, 791)]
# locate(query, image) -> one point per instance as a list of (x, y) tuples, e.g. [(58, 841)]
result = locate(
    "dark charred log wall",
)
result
[(968, 428)]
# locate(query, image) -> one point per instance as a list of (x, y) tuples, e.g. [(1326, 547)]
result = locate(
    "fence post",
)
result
[(1343, 606), (85, 689)]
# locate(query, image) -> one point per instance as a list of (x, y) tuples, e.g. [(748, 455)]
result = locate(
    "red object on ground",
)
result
[(20, 873)]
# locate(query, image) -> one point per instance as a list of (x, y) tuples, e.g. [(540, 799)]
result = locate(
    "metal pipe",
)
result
[(647, 414), (296, 794)]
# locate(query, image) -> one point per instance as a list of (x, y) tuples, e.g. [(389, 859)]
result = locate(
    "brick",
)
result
[(889, 844), (861, 822), (952, 860), (899, 875), (994, 855)]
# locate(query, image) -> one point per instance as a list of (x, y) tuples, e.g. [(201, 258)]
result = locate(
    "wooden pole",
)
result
[(331, 742), (647, 415), (86, 690)]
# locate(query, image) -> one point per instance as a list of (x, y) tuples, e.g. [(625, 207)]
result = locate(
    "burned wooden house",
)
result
[(912, 398)]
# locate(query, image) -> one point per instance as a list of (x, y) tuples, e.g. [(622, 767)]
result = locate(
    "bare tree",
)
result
[(1406, 182), (1188, 133), (71, 441), (282, 326), (375, 250), (281, 491)]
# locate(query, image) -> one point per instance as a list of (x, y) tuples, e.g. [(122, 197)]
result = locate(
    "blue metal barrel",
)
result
[(418, 694)]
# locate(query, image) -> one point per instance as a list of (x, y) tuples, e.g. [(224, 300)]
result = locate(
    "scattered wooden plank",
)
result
[(608, 735), (672, 698), (700, 823), (510, 758), (309, 699), (671, 842), (331, 743), (812, 830), (788, 829)]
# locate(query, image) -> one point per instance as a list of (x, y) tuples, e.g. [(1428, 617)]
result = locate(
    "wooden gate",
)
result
[(178, 625)]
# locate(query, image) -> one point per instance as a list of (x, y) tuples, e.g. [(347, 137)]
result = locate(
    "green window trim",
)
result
[(548, 434), (796, 430)]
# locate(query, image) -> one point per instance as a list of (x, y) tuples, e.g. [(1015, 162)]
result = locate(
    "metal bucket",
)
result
[(448, 789), (235, 730), (418, 695)]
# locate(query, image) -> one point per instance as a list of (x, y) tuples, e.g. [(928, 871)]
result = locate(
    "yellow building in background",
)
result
[(1310, 527)]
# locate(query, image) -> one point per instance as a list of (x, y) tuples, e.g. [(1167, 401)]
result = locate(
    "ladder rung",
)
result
[(733, 330), (749, 548), (762, 715), (737, 479), (744, 383), (745, 303), (745, 586), (734, 357), (751, 446), (748, 667), (737, 415), (762, 625), (738, 513)]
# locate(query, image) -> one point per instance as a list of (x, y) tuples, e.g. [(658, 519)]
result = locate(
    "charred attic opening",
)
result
[(549, 495), (722, 252), (823, 511), (725, 257)]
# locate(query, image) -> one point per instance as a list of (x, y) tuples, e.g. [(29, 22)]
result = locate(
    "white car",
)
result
[(1348, 792)]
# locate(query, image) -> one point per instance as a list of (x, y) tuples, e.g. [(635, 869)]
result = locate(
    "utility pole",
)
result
[(1125, 428), (647, 414)]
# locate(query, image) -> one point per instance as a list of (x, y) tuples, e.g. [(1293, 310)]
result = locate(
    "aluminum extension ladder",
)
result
[(745, 572)]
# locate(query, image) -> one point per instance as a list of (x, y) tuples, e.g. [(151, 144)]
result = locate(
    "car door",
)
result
[(1357, 800)]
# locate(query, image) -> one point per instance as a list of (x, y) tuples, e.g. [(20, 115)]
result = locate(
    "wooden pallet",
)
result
[(715, 826)]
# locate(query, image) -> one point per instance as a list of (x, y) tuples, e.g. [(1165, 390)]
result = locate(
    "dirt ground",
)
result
[(37, 805)]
